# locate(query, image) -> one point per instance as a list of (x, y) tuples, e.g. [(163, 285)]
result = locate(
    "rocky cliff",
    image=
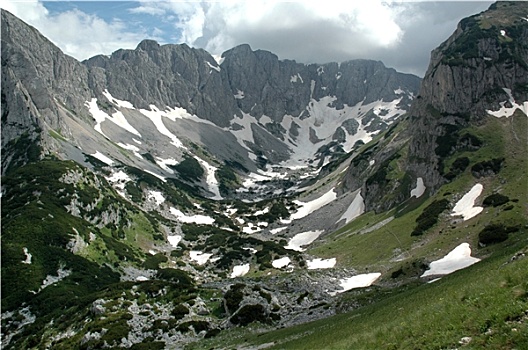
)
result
[(480, 68)]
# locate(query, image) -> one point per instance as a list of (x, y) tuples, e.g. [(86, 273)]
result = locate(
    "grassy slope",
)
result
[(487, 301)]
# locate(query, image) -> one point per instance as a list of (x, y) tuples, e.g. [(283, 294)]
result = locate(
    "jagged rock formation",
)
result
[(469, 74)]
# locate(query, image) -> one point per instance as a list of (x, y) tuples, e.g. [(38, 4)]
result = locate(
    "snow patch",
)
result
[(239, 95), (356, 208), (119, 103), (191, 219), (303, 239), (164, 164), (155, 116), (321, 263), (240, 270), (306, 208), (102, 158), (419, 190), (100, 116), (457, 259), (132, 148), (156, 175), (200, 257), (280, 263), (210, 177), (174, 240), (277, 230), (508, 112), (49, 280), (28, 256), (216, 68), (156, 196), (465, 206), (359, 281)]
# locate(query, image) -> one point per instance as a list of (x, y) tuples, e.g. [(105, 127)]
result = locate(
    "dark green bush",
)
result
[(495, 200), (189, 169), (429, 216), (179, 311), (496, 233), (233, 297), (487, 167), (250, 313)]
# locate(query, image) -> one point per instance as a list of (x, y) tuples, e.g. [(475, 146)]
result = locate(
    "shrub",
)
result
[(189, 169), (429, 216), (233, 297), (496, 233), (495, 200), (250, 313), (487, 167), (179, 311)]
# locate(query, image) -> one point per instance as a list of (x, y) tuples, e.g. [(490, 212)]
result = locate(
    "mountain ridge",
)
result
[(136, 225)]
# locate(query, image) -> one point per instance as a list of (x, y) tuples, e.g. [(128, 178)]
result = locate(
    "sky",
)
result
[(401, 34)]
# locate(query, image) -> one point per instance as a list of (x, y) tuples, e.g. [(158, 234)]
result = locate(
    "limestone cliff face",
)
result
[(38, 82), (470, 73)]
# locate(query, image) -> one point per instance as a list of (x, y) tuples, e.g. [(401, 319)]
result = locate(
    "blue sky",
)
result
[(401, 34)]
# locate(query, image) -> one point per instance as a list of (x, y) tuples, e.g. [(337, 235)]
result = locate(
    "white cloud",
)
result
[(78, 34), (218, 26)]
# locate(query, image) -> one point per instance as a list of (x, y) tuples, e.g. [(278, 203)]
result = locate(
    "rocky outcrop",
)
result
[(466, 77)]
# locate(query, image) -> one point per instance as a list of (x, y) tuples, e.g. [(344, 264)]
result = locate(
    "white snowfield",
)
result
[(212, 182), (174, 240), (306, 208), (200, 257), (117, 118), (457, 259), (359, 281), (280, 263), (321, 263), (155, 116), (465, 207), (240, 270), (419, 190), (102, 158), (302, 239), (192, 219), (356, 208), (156, 196), (508, 111)]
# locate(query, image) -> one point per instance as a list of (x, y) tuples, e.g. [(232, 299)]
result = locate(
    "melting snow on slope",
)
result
[(309, 207), (508, 112), (212, 182), (280, 263), (465, 206), (28, 256), (457, 259), (174, 240), (356, 208), (102, 158), (156, 196), (119, 103), (240, 270), (321, 263), (132, 148), (164, 164), (117, 118), (302, 239), (155, 116), (192, 219), (359, 281), (200, 257), (419, 189)]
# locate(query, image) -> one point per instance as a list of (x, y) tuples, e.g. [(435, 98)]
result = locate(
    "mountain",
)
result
[(164, 198)]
